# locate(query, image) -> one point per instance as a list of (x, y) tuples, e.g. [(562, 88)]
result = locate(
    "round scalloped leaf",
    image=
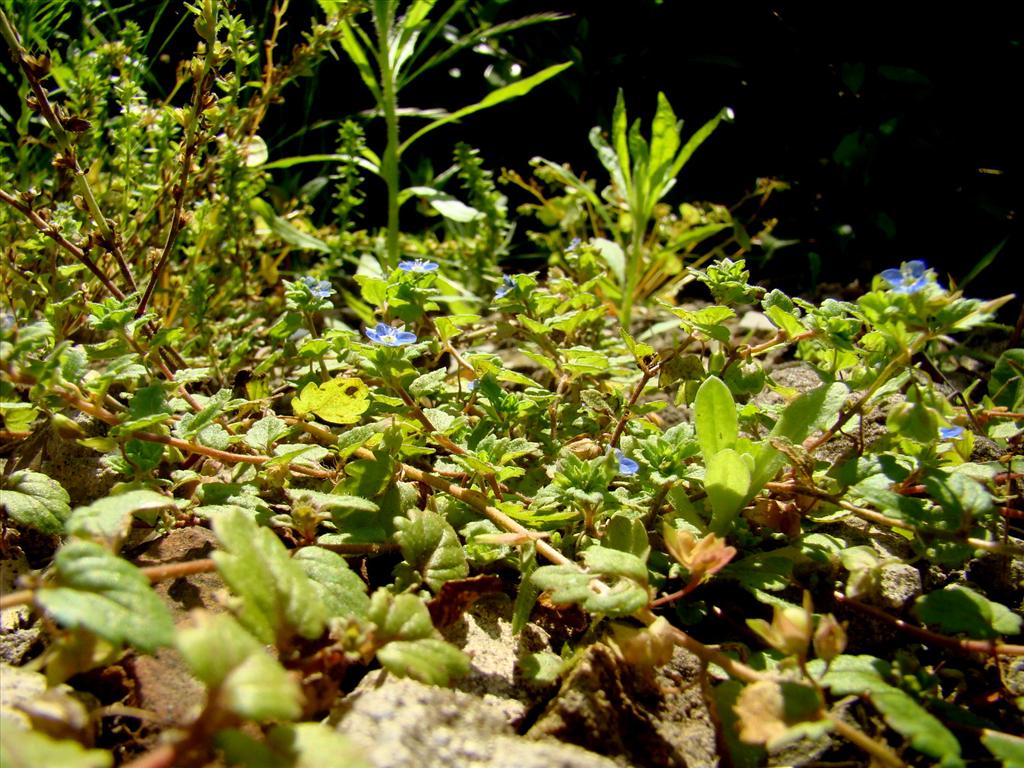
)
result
[(36, 501)]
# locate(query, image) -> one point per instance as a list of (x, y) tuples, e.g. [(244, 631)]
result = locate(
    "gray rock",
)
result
[(485, 634), (405, 724), (898, 585), (78, 469), (610, 707)]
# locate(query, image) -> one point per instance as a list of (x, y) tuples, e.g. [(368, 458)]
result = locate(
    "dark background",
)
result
[(897, 126)]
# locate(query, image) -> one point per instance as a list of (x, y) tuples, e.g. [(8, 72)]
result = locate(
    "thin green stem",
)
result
[(32, 71), (392, 150), (188, 151)]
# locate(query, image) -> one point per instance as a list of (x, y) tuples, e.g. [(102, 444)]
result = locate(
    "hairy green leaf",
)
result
[(108, 520), (429, 660), (399, 617), (260, 689), (33, 749), (214, 645), (107, 595), (342, 591), (277, 596), (431, 546), (36, 501)]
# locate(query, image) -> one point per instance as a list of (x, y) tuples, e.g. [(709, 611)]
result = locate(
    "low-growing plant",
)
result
[(669, 484)]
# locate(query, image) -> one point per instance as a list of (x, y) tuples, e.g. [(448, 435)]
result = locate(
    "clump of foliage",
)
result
[(317, 394)]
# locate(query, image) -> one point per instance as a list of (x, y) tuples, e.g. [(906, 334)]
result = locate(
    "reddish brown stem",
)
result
[(987, 647)]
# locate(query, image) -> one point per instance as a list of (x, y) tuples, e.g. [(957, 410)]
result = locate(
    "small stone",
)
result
[(401, 723), (757, 322), (898, 584)]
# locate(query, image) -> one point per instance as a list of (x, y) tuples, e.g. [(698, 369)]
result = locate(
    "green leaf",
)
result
[(357, 54), (35, 501), (108, 520), (342, 591), (431, 546), (495, 97), (664, 140), (338, 506), (584, 360), (341, 400), (429, 660), (32, 749), (811, 410), (399, 617), (428, 383), (277, 596), (714, 415), (1006, 386), (214, 407), (913, 721), (620, 122), (957, 609), (627, 534), (285, 229), (214, 645), (107, 595), (727, 482), (449, 207), (261, 689), (315, 745), (264, 433), (568, 584), (696, 140), (613, 256), (1003, 746), (858, 675), (613, 562), (298, 745)]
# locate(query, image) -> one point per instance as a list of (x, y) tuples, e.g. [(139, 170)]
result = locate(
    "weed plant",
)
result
[(317, 394)]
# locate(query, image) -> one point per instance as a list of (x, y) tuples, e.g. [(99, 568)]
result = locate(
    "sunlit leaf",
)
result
[(341, 400), (107, 595), (36, 501)]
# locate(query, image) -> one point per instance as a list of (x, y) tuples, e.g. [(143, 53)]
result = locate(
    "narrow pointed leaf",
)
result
[(495, 97)]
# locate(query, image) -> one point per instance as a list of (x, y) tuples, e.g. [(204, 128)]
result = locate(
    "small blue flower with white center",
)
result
[(950, 433), (911, 277), (390, 337), (507, 285), (626, 465), (573, 245), (320, 289), (420, 266)]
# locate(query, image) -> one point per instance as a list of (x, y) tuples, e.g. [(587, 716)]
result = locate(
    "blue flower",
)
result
[(573, 245), (507, 284), (390, 337), (950, 433), (911, 277), (417, 265), (321, 289), (626, 465)]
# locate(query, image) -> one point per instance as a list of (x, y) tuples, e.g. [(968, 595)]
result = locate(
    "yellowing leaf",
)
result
[(338, 401)]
